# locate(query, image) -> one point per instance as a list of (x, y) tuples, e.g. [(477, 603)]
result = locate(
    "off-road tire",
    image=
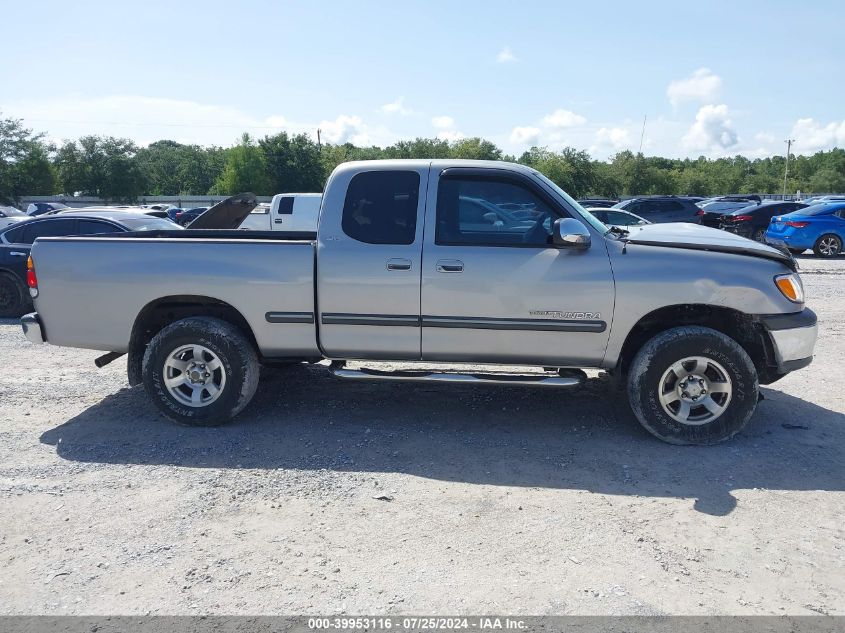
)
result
[(238, 360), (14, 297), (658, 354)]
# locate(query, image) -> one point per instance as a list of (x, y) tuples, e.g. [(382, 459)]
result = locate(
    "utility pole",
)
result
[(319, 145), (789, 143), (642, 135)]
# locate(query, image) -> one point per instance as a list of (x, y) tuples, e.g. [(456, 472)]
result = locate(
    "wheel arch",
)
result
[(744, 328), (163, 311)]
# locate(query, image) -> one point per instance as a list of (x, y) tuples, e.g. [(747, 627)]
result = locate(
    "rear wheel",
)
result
[(760, 236), (14, 298), (692, 385), (828, 245), (200, 371)]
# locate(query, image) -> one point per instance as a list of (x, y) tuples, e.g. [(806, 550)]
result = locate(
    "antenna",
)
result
[(642, 135)]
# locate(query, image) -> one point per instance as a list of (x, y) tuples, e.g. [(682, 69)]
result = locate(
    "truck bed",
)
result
[(268, 277)]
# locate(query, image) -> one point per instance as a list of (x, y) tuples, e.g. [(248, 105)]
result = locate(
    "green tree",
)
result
[(245, 170), (102, 166), (293, 163), (25, 166), (474, 148)]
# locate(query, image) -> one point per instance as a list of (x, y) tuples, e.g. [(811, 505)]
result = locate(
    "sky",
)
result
[(711, 78)]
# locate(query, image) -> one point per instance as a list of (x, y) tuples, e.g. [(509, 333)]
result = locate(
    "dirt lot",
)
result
[(493, 499)]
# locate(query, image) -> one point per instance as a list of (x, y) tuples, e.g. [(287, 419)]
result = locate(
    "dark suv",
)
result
[(661, 208)]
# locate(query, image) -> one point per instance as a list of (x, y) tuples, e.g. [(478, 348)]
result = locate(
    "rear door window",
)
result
[(381, 207), (286, 205), (47, 228)]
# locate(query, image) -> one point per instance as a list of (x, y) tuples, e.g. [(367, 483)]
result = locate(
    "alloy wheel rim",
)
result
[(829, 246), (695, 390), (194, 375)]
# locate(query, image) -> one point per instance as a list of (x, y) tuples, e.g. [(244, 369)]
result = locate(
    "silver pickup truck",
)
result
[(445, 262)]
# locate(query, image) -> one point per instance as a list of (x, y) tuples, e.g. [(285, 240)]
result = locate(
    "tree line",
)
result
[(119, 170)]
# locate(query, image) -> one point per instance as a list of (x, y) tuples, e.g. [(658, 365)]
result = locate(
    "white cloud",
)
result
[(345, 128), (811, 135), (765, 137), (525, 135), (613, 137), (712, 131), (701, 86), (450, 135), (506, 56), (397, 107), (563, 118), (443, 122)]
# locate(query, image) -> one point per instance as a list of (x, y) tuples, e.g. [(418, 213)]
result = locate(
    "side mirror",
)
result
[(570, 233)]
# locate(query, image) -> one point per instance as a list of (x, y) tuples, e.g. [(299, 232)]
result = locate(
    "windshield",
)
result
[(151, 224), (585, 215)]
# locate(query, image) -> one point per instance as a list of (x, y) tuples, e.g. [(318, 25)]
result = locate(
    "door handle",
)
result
[(450, 266), (278, 220), (398, 264), (17, 254)]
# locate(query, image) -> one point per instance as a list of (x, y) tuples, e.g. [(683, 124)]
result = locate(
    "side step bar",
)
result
[(528, 380)]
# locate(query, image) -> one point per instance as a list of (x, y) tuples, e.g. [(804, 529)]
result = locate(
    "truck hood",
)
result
[(702, 238), (226, 214)]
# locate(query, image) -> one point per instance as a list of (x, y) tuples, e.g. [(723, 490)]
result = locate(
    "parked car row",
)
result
[(16, 241)]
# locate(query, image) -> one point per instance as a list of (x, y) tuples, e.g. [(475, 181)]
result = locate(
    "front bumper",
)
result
[(32, 328), (793, 338)]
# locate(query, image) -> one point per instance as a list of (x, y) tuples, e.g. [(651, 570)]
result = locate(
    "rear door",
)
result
[(369, 255), (502, 293)]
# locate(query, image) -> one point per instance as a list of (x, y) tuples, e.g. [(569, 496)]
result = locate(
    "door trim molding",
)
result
[(289, 317), (347, 318), (464, 322), (537, 325)]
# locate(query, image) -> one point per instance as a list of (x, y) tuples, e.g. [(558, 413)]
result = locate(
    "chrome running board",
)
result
[(527, 380)]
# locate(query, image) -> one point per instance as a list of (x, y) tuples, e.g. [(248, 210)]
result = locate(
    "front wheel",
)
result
[(692, 385), (200, 371), (828, 245)]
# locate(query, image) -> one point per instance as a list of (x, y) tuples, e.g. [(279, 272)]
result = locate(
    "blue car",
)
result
[(819, 226)]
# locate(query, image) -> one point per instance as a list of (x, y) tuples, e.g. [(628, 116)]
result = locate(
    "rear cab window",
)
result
[(381, 207)]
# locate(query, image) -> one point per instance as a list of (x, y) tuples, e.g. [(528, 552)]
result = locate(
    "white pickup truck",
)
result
[(446, 262), (287, 212)]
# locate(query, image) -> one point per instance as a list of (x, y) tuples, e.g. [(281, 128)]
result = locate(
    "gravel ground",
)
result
[(328, 497)]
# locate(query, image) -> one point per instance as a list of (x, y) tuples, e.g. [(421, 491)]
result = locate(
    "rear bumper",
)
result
[(789, 241), (793, 338), (32, 328)]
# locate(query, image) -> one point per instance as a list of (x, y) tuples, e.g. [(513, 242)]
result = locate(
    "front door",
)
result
[(494, 289)]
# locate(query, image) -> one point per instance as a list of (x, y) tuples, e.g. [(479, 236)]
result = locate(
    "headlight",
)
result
[(791, 287)]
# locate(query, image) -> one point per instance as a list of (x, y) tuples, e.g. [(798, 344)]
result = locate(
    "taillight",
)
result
[(699, 212), (31, 279), (797, 225), (742, 218), (179, 214)]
